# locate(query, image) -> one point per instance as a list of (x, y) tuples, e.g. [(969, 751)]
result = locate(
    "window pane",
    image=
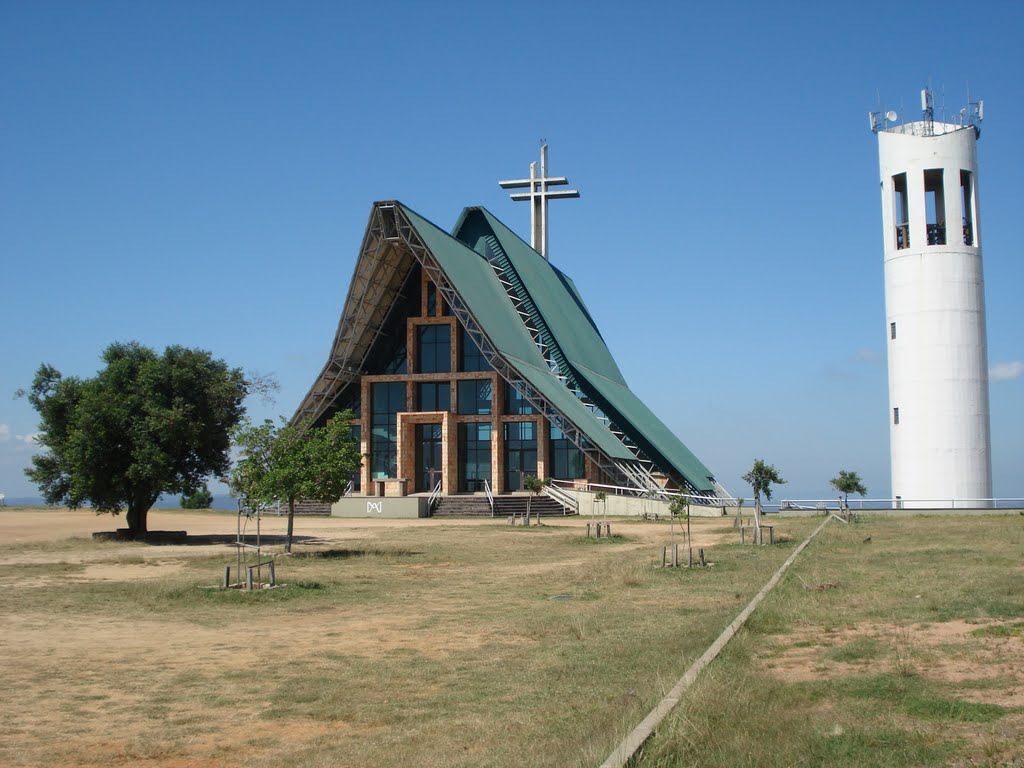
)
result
[(475, 397), (431, 299), (434, 396), (471, 358), (566, 458), (388, 399), (515, 403), (474, 456), (433, 353)]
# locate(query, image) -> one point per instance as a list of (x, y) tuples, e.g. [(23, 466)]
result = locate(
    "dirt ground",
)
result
[(947, 652), (28, 526), (89, 718)]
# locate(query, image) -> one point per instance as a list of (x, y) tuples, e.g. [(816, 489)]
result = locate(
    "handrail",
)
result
[(435, 495), (490, 496), (904, 503), (703, 499), (349, 488), (567, 500)]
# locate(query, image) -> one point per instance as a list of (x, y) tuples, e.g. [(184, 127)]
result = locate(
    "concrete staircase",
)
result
[(504, 506)]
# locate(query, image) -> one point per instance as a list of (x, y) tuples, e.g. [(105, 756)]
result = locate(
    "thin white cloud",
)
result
[(5, 433), (1006, 371), (31, 439)]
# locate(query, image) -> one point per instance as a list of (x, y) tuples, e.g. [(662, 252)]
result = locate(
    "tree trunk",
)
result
[(138, 508), (291, 524)]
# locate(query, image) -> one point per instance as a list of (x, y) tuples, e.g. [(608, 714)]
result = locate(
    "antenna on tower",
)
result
[(928, 111)]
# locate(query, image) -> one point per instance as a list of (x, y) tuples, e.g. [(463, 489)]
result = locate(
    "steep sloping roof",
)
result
[(576, 334), (474, 280), (557, 317)]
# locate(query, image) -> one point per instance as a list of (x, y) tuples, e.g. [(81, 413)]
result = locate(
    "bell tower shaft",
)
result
[(939, 429)]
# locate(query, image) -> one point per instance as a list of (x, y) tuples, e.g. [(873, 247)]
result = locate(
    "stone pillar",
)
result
[(449, 455), (542, 448)]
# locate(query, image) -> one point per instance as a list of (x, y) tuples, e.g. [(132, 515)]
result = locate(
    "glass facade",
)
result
[(475, 397), (470, 359), (474, 456), (388, 354), (565, 460), (433, 396), (388, 400), (349, 400), (434, 349), (515, 403), (520, 453)]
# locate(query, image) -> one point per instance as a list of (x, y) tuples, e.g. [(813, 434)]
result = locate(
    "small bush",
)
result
[(201, 498)]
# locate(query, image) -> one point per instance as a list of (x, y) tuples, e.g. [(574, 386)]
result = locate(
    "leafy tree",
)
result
[(761, 478), (295, 461), (848, 482), (599, 498), (680, 507), (534, 485), (146, 424), (199, 499)]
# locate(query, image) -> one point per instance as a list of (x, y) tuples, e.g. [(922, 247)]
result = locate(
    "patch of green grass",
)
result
[(916, 697), (28, 570), (1000, 630), (588, 541), (883, 747), (933, 707), (858, 649)]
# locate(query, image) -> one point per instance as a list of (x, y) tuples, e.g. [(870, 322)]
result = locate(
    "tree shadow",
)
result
[(169, 538), (266, 539), (341, 554)]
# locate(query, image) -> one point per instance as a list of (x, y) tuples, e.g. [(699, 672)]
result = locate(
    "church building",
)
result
[(470, 362)]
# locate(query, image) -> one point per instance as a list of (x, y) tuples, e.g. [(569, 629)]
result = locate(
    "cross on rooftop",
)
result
[(539, 195)]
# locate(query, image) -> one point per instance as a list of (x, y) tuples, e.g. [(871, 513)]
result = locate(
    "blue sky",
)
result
[(201, 174)]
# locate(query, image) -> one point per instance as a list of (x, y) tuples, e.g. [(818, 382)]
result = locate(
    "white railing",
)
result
[(435, 495), (567, 500), (826, 505), (349, 488), (490, 496), (663, 494)]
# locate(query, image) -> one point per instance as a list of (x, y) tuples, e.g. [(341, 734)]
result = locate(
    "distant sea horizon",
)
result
[(228, 503)]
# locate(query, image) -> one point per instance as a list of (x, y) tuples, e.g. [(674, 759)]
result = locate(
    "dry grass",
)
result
[(914, 659), (432, 643)]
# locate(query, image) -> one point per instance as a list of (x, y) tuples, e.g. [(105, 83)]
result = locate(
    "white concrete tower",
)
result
[(935, 309)]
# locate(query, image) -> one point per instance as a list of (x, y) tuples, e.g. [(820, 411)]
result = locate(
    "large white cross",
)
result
[(539, 195)]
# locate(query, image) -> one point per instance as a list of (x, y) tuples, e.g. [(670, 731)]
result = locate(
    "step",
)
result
[(504, 506)]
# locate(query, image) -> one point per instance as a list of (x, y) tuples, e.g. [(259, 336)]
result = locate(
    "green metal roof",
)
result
[(473, 278), (574, 330)]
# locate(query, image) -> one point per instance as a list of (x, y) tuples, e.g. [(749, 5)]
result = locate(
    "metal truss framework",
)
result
[(560, 367), (380, 273)]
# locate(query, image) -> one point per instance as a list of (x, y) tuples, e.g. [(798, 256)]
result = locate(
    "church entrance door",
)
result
[(428, 456)]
